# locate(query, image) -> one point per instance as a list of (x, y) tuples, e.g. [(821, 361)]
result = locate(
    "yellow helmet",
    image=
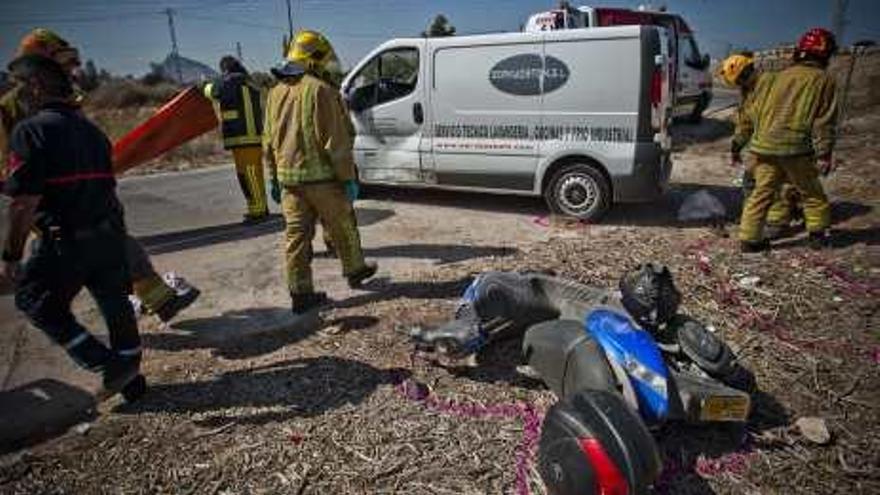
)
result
[(47, 43), (310, 49), (733, 67)]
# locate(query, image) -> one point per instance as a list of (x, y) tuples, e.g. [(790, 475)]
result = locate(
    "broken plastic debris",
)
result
[(749, 282), (814, 430)]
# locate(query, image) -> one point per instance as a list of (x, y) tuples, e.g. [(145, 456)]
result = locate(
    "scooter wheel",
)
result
[(135, 389)]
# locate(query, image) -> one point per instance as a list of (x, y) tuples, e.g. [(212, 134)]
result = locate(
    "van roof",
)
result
[(495, 38)]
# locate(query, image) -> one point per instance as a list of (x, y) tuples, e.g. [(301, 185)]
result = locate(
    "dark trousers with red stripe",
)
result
[(57, 270)]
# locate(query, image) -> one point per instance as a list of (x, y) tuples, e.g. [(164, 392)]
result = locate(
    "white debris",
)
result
[(751, 283), (814, 430)]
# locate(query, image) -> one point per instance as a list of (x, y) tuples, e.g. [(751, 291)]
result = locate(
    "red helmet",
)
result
[(817, 42)]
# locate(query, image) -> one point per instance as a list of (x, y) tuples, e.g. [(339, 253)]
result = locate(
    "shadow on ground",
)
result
[(708, 130), (297, 388), (665, 211), (41, 410), (442, 253), (219, 234), (841, 238), (248, 333), (383, 289), (692, 452)]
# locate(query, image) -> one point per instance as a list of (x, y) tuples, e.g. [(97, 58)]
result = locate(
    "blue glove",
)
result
[(352, 190), (275, 190)]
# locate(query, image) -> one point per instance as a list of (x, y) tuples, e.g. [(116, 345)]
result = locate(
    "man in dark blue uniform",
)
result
[(61, 183)]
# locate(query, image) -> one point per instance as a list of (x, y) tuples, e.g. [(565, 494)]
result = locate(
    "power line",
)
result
[(289, 21), (838, 18), (78, 20), (232, 21)]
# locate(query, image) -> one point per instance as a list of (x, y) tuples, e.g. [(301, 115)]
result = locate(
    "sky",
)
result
[(124, 36)]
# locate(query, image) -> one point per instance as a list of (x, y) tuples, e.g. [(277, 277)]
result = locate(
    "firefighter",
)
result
[(308, 150), (789, 127), (162, 297), (240, 108), (738, 71), (62, 185)]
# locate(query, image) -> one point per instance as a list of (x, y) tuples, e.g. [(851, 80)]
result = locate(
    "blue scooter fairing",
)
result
[(636, 352)]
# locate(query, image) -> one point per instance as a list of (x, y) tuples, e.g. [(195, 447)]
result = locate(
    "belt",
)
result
[(104, 227)]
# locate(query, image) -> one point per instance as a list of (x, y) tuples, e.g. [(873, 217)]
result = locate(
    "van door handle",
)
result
[(418, 113)]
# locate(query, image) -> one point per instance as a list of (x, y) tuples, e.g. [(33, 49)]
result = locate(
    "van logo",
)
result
[(525, 74)]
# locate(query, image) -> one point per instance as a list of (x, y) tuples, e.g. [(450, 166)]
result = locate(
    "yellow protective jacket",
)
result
[(308, 136), (10, 114), (789, 113)]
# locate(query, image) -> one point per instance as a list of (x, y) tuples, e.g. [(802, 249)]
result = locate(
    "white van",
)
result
[(578, 117), (691, 78)]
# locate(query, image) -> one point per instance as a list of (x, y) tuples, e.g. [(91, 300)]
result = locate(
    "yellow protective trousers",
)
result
[(770, 172), (784, 206), (303, 207), (249, 169), (146, 284)]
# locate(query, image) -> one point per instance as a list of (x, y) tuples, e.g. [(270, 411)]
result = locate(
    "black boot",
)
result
[(778, 231), (754, 246), (819, 240), (119, 372), (303, 303), (176, 304), (357, 278)]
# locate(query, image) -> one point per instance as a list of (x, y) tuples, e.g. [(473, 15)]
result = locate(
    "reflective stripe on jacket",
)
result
[(308, 134), (240, 110), (790, 113)]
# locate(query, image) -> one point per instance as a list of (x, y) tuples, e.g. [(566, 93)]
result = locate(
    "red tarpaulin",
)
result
[(187, 116)]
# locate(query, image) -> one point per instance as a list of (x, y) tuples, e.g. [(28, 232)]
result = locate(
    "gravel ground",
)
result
[(333, 410)]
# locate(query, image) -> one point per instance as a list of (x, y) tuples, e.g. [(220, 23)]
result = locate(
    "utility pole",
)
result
[(838, 18), (238, 50), (175, 55), (289, 22)]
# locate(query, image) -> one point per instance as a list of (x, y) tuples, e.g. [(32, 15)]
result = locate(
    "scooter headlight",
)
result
[(645, 375)]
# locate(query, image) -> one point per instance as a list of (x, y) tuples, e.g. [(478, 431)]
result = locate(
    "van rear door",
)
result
[(386, 98)]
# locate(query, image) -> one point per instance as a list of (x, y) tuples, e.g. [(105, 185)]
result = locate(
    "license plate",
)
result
[(725, 408)]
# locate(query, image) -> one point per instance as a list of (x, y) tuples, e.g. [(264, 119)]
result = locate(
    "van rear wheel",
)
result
[(579, 190)]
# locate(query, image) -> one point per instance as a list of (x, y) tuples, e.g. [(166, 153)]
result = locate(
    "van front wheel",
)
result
[(579, 191)]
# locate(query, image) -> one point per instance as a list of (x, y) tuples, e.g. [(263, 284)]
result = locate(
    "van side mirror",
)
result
[(360, 99), (698, 63)]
